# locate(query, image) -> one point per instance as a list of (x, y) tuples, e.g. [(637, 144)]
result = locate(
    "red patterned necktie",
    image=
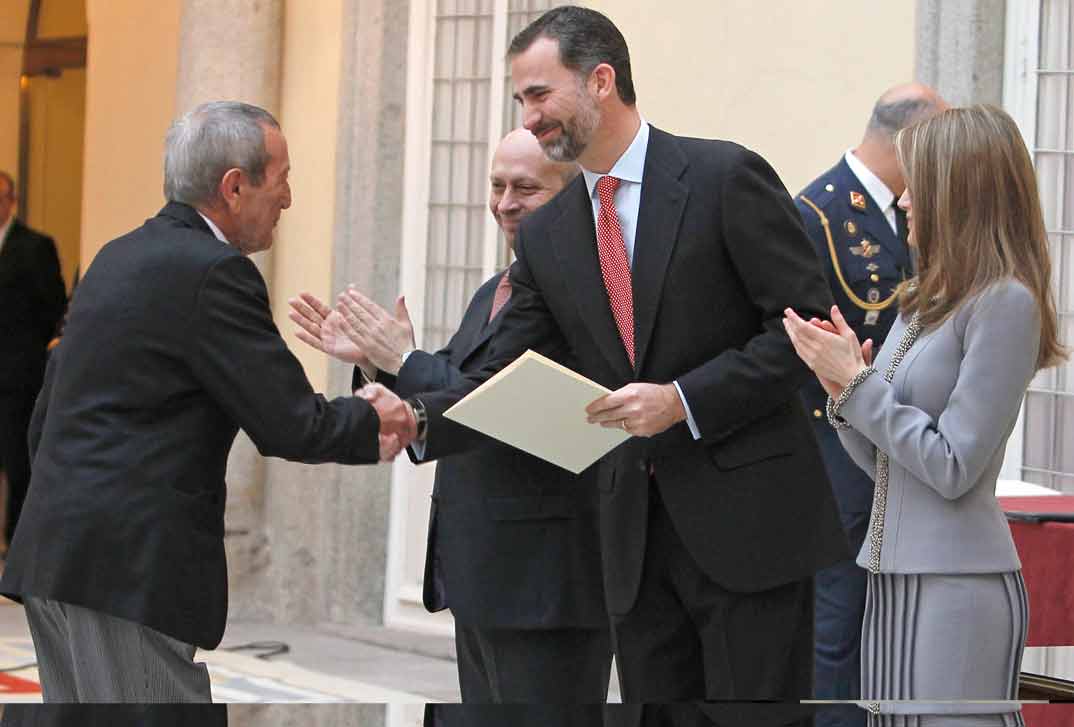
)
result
[(614, 266), (502, 294)]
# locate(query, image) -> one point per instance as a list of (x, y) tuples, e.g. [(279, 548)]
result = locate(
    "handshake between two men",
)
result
[(360, 332)]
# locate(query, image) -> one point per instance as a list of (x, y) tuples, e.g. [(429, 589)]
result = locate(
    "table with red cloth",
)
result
[(1048, 715), (1047, 553)]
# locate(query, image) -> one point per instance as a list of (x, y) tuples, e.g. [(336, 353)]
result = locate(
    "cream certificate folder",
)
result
[(538, 405)]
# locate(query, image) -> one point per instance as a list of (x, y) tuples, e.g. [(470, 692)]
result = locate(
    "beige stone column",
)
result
[(328, 524), (959, 49), (231, 50), (367, 252)]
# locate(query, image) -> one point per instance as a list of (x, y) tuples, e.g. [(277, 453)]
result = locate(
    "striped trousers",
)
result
[(89, 656)]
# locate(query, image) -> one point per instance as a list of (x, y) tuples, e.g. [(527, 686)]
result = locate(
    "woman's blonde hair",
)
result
[(976, 217)]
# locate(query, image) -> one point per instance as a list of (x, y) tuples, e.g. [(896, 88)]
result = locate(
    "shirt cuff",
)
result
[(366, 379), (418, 449), (689, 416)]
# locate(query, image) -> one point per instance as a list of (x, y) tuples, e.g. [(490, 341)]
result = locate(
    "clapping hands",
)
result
[(357, 331), (321, 327), (360, 332), (381, 336), (829, 348)]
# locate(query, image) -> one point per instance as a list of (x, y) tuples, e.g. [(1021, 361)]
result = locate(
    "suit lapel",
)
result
[(479, 328), (663, 199), (574, 239)]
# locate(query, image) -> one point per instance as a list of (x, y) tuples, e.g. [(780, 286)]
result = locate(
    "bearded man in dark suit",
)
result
[(664, 271)]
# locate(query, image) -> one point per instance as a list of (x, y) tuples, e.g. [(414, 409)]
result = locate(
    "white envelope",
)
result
[(538, 406)]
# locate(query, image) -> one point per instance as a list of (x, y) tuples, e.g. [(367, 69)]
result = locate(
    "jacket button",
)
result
[(875, 278), (643, 465), (817, 413)]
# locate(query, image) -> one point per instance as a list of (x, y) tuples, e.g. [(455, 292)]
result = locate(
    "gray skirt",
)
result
[(951, 643)]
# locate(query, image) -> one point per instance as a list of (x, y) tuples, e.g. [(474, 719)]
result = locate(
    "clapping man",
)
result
[(513, 548)]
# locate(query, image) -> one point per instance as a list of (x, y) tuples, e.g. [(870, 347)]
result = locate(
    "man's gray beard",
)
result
[(567, 148)]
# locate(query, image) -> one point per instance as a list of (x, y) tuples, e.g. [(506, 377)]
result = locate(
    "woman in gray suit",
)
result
[(946, 610)]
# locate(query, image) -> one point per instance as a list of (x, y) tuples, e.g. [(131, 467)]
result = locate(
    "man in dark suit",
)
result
[(664, 271), (32, 297), (859, 233), (513, 548), (169, 349)]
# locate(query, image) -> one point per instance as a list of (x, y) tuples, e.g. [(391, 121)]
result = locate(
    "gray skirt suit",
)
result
[(946, 610)]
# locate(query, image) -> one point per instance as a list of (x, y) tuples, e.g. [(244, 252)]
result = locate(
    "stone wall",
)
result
[(960, 49)]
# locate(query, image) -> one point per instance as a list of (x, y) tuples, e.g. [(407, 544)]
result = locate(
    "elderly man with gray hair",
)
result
[(170, 348)]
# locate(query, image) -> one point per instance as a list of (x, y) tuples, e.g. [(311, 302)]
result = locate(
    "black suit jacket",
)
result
[(719, 253), (32, 297), (513, 539), (169, 349)]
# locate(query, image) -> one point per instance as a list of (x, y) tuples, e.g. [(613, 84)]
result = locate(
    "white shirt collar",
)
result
[(879, 191), (215, 230), (6, 228), (630, 166)]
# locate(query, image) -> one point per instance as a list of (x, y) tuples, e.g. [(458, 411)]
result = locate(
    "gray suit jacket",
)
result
[(944, 422)]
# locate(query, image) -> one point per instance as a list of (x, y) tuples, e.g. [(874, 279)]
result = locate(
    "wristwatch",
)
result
[(420, 417)]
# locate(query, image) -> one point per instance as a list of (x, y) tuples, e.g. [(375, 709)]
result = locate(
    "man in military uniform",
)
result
[(860, 234)]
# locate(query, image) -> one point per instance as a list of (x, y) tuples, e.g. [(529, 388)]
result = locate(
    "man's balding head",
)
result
[(522, 179), (902, 106), (898, 107)]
